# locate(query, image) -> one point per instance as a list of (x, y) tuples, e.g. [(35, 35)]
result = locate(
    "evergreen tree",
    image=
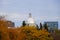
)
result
[(37, 27), (23, 24), (45, 26), (41, 26)]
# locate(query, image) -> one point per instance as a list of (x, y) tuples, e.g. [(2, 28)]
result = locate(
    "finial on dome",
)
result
[(30, 15)]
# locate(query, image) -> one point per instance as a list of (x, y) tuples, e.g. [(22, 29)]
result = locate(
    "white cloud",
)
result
[(14, 16), (21, 16), (47, 18)]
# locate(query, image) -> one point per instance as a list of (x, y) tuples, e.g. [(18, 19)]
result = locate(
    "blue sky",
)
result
[(41, 10)]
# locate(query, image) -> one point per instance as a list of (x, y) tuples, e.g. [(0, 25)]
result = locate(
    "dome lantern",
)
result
[(30, 20)]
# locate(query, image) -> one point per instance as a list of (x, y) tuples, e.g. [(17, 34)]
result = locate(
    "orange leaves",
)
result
[(13, 34), (4, 35), (3, 23), (23, 33), (3, 30), (33, 33)]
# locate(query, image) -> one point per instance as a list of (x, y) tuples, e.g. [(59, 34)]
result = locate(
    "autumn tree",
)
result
[(13, 34), (31, 33), (23, 33), (3, 30), (0, 36)]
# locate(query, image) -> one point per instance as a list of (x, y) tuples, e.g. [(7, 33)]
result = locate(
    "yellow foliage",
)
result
[(34, 34), (13, 34), (3, 31), (23, 33), (3, 25)]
